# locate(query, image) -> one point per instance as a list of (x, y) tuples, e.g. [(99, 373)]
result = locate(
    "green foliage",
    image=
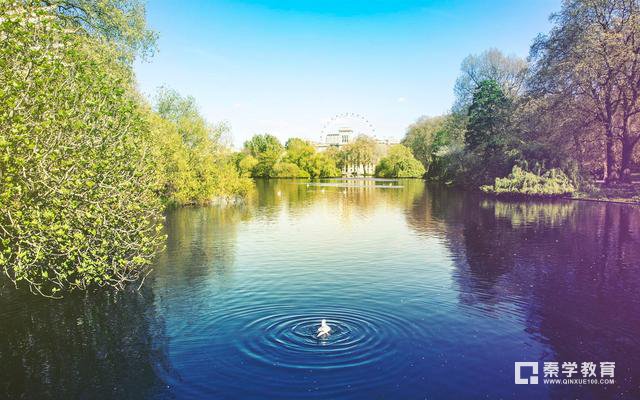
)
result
[(246, 164), (267, 150), (321, 165), (78, 205), (195, 166), (287, 170), (553, 183), (488, 116), (121, 23), (264, 157), (362, 151), (299, 151), (434, 140), (399, 163), (304, 155), (508, 71)]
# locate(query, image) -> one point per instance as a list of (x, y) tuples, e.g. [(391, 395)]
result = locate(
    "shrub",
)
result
[(399, 163), (553, 183), (287, 170), (78, 196)]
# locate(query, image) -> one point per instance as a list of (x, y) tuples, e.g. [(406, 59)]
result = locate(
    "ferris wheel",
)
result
[(355, 123)]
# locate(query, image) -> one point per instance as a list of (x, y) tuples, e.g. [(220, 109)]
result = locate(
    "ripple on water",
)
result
[(278, 337), (289, 340)]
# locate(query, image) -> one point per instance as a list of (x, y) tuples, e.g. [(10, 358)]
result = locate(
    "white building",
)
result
[(346, 135)]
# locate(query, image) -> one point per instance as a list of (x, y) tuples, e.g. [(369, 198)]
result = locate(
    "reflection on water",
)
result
[(431, 293), (97, 346)]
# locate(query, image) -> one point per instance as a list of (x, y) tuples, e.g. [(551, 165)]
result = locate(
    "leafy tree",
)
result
[(267, 150), (488, 116), (260, 144), (299, 151), (509, 72), (78, 205), (399, 163), (362, 151), (589, 64), (246, 164), (287, 170), (303, 154), (118, 22), (196, 166), (321, 165), (432, 139)]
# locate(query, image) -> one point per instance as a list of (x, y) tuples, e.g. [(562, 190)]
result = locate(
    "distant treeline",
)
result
[(86, 164), (573, 107), (263, 156)]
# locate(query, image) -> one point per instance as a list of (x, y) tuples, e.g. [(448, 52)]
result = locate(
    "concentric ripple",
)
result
[(289, 339)]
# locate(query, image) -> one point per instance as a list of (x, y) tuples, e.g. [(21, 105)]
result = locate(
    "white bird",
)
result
[(324, 329)]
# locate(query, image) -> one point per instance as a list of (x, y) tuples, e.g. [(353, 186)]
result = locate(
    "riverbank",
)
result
[(624, 193)]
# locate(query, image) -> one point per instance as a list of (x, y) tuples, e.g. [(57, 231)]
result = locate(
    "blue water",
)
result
[(431, 293)]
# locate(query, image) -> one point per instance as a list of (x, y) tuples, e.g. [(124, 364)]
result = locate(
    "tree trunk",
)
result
[(627, 160), (610, 175)]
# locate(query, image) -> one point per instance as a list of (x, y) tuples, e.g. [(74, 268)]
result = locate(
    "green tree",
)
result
[(508, 71), (360, 152), (268, 150), (321, 165), (118, 22), (303, 154), (489, 115), (588, 67), (399, 163), (78, 204), (299, 151), (287, 170), (197, 167)]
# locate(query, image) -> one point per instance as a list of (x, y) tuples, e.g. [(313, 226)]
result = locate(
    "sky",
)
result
[(288, 67)]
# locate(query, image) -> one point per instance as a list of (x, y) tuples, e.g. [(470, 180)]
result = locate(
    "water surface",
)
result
[(432, 293)]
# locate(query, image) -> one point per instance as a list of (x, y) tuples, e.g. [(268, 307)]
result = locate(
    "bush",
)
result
[(553, 183), (287, 170), (78, 195), (399, 163), (194, 164)]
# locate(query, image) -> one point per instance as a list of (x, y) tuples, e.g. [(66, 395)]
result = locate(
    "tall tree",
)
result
[(590, 61), (120, 22), (488, 116), (508, 71)]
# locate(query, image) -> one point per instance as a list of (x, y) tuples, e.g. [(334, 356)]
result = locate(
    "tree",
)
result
[(399, 163), (268, 150), (321, 165), (590, 60), (509, 72), (78, 204), (197, 166), (361, 151), (488, 116), (303, 154), (287, 170), (118, 22), (299, 151)]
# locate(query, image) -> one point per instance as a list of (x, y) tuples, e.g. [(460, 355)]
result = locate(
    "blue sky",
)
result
[(286, 67)]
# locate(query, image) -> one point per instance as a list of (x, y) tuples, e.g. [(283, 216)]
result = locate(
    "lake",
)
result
[(431, 293)]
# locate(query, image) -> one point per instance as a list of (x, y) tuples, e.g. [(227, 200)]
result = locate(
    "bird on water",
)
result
[(324, 329)]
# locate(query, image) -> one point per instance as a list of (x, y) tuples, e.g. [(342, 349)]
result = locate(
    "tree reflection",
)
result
[(200, 242), (572, 267), (91, 345)]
